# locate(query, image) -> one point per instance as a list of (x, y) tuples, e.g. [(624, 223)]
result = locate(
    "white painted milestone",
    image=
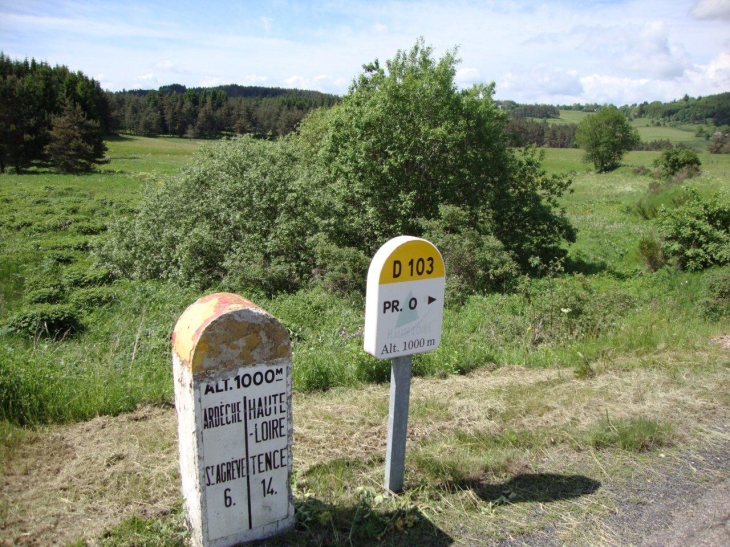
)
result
[(232, 366), (250, 407), (404, 303)]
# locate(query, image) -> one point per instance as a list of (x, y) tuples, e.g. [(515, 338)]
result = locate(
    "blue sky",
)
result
[(554, 51)]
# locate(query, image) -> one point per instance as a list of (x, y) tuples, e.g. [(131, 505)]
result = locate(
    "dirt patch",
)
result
[(679, 501), (723, 341)]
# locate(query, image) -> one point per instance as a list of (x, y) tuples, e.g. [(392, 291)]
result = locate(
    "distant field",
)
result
[(142, 154), (675, 135), (569, 116), (684, 134)]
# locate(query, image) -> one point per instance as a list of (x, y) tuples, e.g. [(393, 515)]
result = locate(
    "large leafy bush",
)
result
[(674, 160), (696, 233), (404, 143), (234, 215)]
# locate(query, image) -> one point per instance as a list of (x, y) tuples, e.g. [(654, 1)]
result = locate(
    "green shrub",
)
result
[(651, 251), (343, 270), (60, 257), (673, 161), (93, 297), (720, 143), (80, 276), (696, 234), (48, 295), (476, 261), (89, 228), (55, 321), (715, 300), (232, 216)]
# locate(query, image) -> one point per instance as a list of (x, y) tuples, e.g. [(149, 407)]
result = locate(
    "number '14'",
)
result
[(266, 487)]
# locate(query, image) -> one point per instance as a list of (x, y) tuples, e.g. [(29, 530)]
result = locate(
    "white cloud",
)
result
[(541, 84), (146, 81), (104, 81), (85, 27), (638, 50), (603, 89), (708, 79), (712, 10), (466, 77), (321, 82), (379, 28), (252, 79), (212, 81), (170, 67), (713, 77), (266, 21), (296, 81)]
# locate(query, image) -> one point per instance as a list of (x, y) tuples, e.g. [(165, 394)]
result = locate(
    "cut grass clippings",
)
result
[(490, 455)]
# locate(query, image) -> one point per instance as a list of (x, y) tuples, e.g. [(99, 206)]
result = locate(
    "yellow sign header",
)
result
[(413, 260)]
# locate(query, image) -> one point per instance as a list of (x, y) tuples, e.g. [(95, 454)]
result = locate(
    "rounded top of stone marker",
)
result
[(224, 330)]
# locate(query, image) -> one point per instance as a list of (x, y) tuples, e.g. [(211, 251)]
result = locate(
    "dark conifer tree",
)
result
[(76, 142)]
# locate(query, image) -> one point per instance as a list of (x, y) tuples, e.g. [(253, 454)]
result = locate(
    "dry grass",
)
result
[(473, 442), (73, 482)]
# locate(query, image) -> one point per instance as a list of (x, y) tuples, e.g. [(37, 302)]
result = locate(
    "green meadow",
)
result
[(110, 352), (76, 343), (648, 130), (570, 116)]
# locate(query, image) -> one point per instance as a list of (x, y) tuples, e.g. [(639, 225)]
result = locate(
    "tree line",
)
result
[(517, 110), (523, 132), (50, 116), (211, 112), (689, 110)]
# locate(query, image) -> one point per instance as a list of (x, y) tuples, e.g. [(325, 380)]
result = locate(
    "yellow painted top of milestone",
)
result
[(224, 330), (412, 261)]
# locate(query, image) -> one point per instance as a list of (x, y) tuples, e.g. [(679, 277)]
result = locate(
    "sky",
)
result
[(551, 51)]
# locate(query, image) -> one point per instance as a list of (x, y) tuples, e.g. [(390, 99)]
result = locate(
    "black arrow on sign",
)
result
[(431, 300)]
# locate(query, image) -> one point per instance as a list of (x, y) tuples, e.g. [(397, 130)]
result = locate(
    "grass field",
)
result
[(647, 130), (675, 135), (577, 379), (570, 116)]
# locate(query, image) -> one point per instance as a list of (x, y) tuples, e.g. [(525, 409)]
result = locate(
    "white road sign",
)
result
[(404, 304)]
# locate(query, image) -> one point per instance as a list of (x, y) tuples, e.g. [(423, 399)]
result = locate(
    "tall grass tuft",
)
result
[(636, 434)]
